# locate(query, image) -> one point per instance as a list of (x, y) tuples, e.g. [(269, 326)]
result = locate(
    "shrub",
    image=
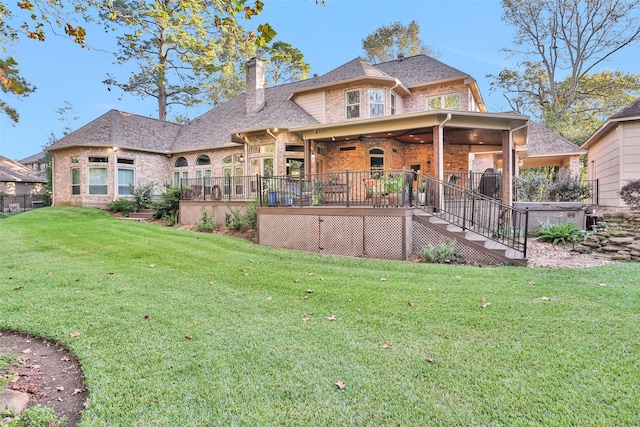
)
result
[(568, 187), (143, 195), (630, 193), (532, 187), (168, 205), (561, 233), (443, 253), (206, 223), (239, 221), (125, 206)]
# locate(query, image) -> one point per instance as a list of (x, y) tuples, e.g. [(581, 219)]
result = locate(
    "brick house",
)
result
[(413, 112)]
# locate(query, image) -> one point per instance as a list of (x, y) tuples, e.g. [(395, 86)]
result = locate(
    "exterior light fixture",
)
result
[(115, 149), (520, 162), (241, 158)]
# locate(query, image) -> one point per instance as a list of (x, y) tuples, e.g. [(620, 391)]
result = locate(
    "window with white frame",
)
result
[(97, 181), (393, 104), (125, 181), (376, 102), (75, 181), (449, 101), (352, 99)]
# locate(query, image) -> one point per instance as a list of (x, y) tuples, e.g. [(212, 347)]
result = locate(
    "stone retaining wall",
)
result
[(617, 236)]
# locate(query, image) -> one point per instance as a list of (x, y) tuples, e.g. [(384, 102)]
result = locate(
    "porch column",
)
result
[(507, 167), (307, 157), (438, 157)]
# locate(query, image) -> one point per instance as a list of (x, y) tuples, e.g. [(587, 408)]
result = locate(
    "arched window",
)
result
[(376, 159), (203, 160), (181, 162)]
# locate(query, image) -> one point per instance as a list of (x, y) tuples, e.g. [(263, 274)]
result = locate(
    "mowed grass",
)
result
[(189, 329)]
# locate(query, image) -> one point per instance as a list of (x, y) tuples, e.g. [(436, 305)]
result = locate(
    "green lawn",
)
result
[(180, 328)]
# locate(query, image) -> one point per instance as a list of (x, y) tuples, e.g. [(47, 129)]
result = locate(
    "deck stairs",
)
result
[(499, 251), (141, 215)]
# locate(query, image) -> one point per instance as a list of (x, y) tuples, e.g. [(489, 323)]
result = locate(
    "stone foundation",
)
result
[(617, 236)]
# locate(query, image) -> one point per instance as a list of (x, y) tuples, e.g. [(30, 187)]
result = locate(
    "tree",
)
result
[(285, 64), (12, 83), (176, 42), (390, 41), (563, 44)]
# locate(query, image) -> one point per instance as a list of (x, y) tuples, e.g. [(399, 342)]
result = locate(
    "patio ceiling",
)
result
[(460, 127)]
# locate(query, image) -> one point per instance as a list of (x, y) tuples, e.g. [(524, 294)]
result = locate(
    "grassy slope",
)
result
[(136, 291)]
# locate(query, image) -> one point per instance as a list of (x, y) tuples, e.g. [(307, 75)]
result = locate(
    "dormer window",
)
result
[(376, 102), (353, 103), (449, 101)]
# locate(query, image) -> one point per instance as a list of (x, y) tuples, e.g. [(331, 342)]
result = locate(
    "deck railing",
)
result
[(479, 213), (229, 188)]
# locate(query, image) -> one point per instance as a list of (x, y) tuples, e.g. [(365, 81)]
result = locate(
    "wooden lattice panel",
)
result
[(424, 235), (299, 232), (341, 235), (383, 237)]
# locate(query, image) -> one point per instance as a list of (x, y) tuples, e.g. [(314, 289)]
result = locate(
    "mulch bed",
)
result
[(47, 372)]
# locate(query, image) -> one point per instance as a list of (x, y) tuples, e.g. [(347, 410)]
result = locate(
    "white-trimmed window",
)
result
[(125, 181), (97, 181), (352, 100), (376, 102), (75, 181), (393, 104), (449, 101)]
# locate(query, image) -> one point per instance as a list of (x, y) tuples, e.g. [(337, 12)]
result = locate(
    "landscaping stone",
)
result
[(14, 401), (619, 242)]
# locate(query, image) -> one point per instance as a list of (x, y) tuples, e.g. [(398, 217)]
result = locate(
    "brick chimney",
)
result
[(255, 85)]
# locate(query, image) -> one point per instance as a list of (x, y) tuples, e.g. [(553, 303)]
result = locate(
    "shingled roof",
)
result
[(125, 130), (543, 142), (420, 70), (12, 171), (631, 110)]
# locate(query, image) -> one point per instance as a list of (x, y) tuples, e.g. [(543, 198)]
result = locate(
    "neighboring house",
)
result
[(17, 179), (37, 162), (416, 112), (614, 154)]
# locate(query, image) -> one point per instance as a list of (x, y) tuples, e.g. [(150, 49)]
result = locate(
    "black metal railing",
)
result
[(477, 212), (237, 188), (23, 202)]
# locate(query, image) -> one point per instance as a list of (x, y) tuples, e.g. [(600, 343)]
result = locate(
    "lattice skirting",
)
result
[(360, 236), (423, 236)]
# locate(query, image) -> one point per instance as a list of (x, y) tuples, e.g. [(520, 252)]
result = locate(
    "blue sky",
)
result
[(468, 34)]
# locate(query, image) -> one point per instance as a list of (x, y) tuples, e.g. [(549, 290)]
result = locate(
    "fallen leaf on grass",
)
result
[(17, 288), (431, 359), (250, 260), (485, 305), (65, 359), (532, 283), (309, 291), (341, 385), (147, 317), (60, 388), (599, 284), (331, 318), (545, 298), (74, 334), (385, 345), (76, 391), (269, 298), (410, 304), (189, 337), (305, 318), (382, 279), (444, 291), (26, 351)]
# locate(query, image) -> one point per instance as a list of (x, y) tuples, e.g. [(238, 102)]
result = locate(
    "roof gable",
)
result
[(544, 142), (631, 110)]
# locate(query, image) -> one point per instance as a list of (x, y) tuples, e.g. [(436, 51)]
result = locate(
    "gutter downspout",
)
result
[(53, 174)]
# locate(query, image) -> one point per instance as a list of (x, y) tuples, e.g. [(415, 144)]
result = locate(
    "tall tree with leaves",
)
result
[(390, 41), (285, 64), (563, 44), (12, 83), (176, 42)]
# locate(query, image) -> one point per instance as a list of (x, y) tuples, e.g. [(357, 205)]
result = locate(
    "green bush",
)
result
[(243, 221), (143, 195), (532, 187), (168, 205), (630, 193), (561, 233), (568, 187), (125, 206), (206, 223), (442, 253)]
